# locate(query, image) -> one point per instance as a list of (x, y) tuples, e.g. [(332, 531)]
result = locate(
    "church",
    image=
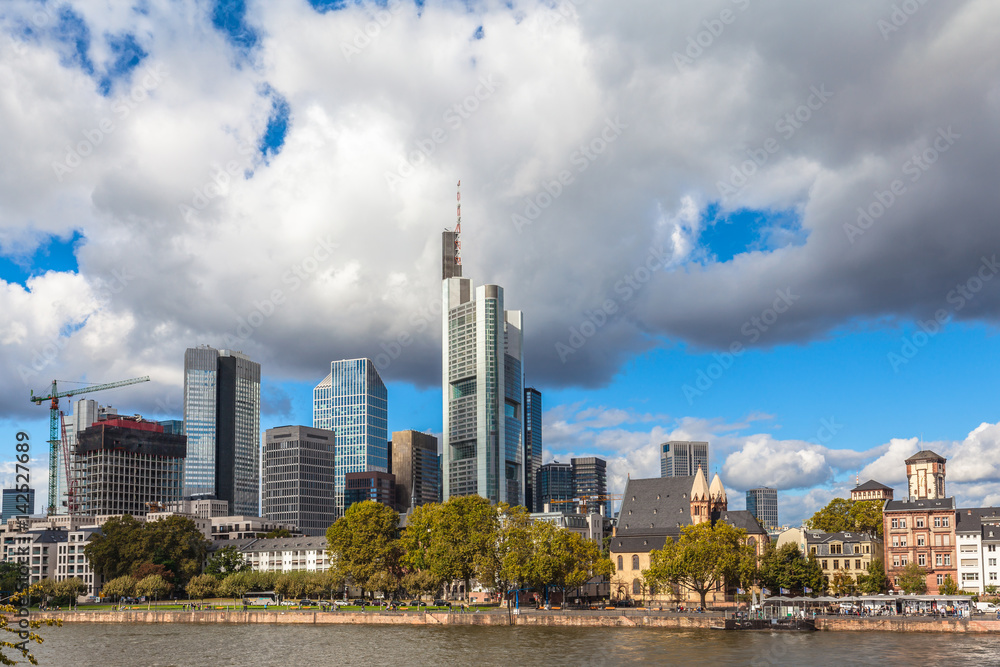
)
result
[(657, 509)]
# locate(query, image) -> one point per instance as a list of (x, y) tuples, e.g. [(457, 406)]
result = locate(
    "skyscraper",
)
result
[(763, 504), (554, 481), (298, 477), (15, 501), (680, 458), (86, 412), (352, 402), (590, 483), (415, 465), (222, 423), (532, 443), (482, 383)]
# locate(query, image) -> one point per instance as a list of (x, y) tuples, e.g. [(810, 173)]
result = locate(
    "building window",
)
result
[(945, 521), (895, 540), (937, 522), (920, 540), (937, 560), (920, 522), (902, 541), (902, 561), (836, 565), (621, 563), (895, 561), (822, 564), (993, 576), (895, 523), (636, 587), (902, 523), (947, 559), (940, 579), (635, 562), (921, 560), (857, 564)]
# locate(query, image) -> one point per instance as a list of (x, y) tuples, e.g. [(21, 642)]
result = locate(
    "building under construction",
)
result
[(126, 464)]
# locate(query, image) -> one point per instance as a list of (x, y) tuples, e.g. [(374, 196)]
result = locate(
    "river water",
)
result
[(191, 645)]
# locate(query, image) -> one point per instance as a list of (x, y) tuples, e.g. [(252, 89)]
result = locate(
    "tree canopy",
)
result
[(788, 568), (226, 561), (841, 514), (913, 579), (364, 543), (125, 544)]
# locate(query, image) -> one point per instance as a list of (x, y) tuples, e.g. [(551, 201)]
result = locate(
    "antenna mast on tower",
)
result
[(458, 226)]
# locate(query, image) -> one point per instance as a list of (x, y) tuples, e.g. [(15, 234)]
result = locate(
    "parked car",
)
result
[(306, 603), (442, 603), (415, 603), (358, 603)]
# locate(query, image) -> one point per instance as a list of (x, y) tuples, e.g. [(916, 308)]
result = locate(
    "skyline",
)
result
[(767, 228)]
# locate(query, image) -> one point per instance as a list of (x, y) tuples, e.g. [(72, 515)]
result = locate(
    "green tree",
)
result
[(118, 548), (418, 538), (202, 586), (10, 577), (177, 544), (68, 590), (841, 514), (23, 634), (279, 532), (788, 568), (502, 565), (843, 583), (460, 535), (153, 586), (235, 585), (420, 582), (948, 586), (701, 559), (140, 572), (119, 587), (913, 579), (874, 581), (225, 561), (364, 543)]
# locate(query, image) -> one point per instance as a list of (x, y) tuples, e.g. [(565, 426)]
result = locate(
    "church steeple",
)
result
[(701, 504)]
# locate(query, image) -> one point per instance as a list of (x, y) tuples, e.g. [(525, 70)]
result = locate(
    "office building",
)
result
[(415, 465), (298, 472), (85, 412), (17, 503), (590, 485), (127, 465), (763, 504), (370, 485), (554, 483), (482, 385), (680, 458), (222, 424), (352, 401), (175, 426), (532, 444)]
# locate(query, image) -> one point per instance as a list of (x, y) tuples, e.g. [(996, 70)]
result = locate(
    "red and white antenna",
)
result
[(458, 227)]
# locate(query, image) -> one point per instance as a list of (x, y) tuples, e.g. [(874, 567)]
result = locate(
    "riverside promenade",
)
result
[(630, 618)]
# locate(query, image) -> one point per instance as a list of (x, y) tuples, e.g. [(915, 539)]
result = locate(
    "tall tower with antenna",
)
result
[(451, 245)]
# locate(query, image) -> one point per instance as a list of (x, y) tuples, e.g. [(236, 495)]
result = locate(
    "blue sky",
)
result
[(276, 175)]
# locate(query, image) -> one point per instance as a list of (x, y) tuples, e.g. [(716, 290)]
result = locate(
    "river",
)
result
[(190, 645)]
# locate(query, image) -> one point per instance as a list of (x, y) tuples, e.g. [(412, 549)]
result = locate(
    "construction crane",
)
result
[(54, 422)]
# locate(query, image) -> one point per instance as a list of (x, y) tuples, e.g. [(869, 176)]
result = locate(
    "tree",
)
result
[(364, 543), (202, 586), (118, 548), (502, 565), (235, 585), (874, 581), (420, 582), (279, 532), (843, 583), (788, 568), (68, 590), (841, 514), (23, 633), (913, 579), (153, 586), (701, 558), (10, 577), (948, 586), (140, 572), (225, 561), (120, 587), (460, 534)]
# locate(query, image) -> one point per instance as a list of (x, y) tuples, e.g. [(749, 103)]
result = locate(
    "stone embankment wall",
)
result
[(376, 618), (907, 624)]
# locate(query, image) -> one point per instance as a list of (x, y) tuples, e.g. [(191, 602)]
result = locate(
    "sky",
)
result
[(766, 225)]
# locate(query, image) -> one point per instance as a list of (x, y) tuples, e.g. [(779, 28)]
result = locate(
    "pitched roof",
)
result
[(656, 506), (907, 505), (717, 489), (742, 519), (970, 519), (926, 455), (820, 537), (636, 544), (872, 485), (699, 490)]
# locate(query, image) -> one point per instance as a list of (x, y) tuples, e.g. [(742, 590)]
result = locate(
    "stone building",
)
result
[(656, 510), (871, 490), (849, 552)]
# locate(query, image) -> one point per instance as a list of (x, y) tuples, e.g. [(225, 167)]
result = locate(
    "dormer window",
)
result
[(654, 511)]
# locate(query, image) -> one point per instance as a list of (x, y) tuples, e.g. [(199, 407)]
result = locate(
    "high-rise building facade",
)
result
[(370, 485), (86, 412), (299, 472), (352, 401), (532, 444), (222, 424), (554, 482), (680, 458), (482, 383), (590, 484), (15, 501), (127, 465), (763, 504), (415, 465)]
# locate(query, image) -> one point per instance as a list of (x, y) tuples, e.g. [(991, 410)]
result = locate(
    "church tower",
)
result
[(717, 495), (925, 475), (701, 501)]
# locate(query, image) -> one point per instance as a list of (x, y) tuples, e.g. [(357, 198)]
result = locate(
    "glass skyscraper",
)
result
[(532, 443), (482, 382), (352, 401), (680, 458), (763, 504), (222, 423)]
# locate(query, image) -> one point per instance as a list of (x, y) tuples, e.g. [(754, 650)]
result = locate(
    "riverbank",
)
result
[(623, 618)]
